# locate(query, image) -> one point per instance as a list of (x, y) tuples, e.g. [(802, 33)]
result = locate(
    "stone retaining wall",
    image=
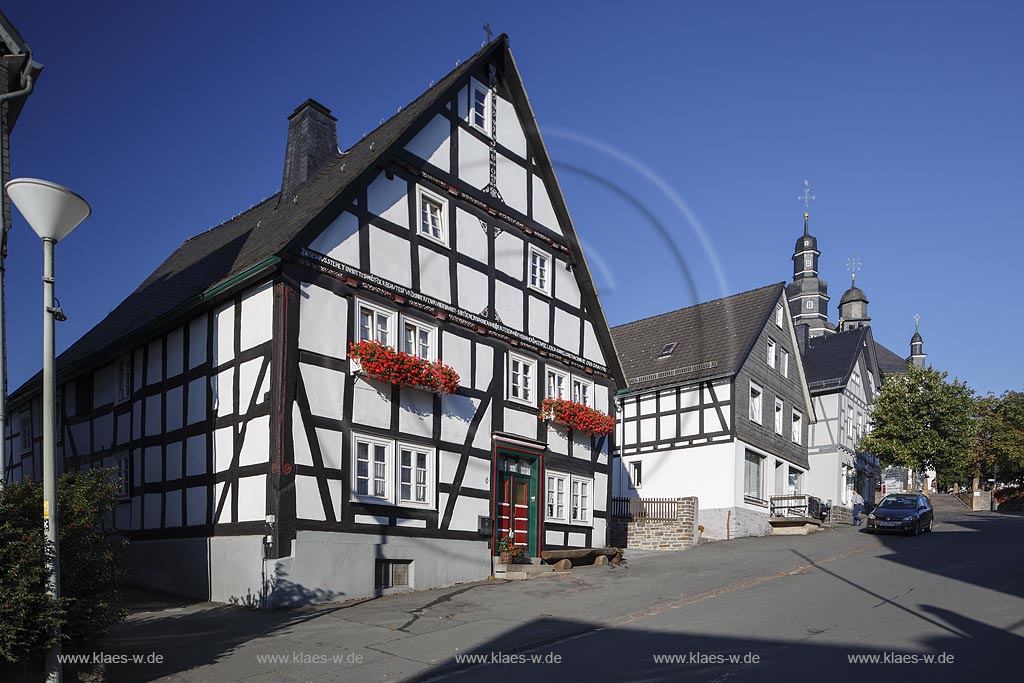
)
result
[(657, 534)]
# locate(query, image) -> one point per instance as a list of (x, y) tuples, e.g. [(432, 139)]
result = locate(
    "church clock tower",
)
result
[(807, 293)]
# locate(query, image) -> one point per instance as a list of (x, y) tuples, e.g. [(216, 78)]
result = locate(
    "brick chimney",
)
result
[(312, 141)]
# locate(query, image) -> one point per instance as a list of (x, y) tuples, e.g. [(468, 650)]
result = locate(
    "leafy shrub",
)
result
[(90, 572)]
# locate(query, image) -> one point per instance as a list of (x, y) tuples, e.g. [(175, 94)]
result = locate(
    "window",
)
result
[(809, 305), (376, 324), (779, 408), (583, 391), (419, 339), (667, 350), (860, 425), (520, 378), (771, 353), (392, 573), (414, 477), (580, 489), (539, 277), (480, 107), (381, 476), (796, 482), (755, 403), (124, 380), (778, 315), (636, 474), (752, 475), (555, 491), (855, 377), (784, 362), (808, 262), (849, 424), (121, 462), (26, 432), (558, 384), (433, 221), (797, 433), (373, 471)]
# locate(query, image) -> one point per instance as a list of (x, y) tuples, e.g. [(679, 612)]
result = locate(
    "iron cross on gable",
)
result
[(487, 30), (917, 322)]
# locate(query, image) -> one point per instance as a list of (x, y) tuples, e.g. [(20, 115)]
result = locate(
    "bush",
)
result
[(91, 565)]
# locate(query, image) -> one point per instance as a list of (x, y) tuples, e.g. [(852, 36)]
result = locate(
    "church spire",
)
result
[(853, 307), (917, 354), (807, 293)]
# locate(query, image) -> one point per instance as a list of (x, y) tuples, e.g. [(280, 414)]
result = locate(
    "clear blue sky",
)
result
[(171, 117)]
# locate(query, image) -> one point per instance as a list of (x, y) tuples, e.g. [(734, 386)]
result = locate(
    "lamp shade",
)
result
[(50, 209)]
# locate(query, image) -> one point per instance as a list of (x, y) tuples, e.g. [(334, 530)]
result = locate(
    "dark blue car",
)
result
[(909, 513)]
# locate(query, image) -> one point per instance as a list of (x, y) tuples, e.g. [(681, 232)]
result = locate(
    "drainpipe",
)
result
[(27, 83)]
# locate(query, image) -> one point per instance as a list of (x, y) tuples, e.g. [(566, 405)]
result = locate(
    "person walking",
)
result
[(858, 505)]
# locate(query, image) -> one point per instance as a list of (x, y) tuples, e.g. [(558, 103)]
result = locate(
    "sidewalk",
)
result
[(419, 634)]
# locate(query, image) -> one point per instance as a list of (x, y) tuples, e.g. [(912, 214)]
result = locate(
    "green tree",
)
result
[(924, 421), (91, 567), (998, 450)]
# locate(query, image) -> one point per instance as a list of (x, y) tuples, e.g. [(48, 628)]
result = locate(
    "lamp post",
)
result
[(52, 211)]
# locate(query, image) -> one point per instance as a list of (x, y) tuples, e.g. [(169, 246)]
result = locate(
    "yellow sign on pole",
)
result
[(46, 509)]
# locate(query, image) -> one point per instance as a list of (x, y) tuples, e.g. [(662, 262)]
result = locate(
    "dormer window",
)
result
[(667, 350), (480, 107)]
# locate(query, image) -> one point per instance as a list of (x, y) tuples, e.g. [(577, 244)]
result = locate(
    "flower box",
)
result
[(577, 416), (385, 364)]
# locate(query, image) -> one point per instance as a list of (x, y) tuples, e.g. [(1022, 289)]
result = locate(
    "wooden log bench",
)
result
[(579, 556)]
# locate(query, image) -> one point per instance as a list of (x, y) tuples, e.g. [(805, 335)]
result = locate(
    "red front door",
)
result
[(514, 511)]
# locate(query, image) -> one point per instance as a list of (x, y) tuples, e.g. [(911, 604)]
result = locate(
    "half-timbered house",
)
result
[(717, 407), (261, 462)]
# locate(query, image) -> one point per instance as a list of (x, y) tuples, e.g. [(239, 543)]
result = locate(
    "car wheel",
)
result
[(916, 529)]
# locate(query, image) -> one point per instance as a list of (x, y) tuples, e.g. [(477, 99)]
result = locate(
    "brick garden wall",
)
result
[(657, 534)]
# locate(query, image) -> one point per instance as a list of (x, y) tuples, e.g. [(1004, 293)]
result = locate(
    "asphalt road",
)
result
[(762, 609)]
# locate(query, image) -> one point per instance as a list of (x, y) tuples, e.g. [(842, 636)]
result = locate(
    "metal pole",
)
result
[(50, 516)]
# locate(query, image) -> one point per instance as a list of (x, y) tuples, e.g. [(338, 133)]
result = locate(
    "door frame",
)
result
[(536, 472)]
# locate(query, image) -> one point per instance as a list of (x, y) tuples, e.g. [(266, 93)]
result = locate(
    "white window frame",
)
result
[(760, 474), (635, 467), (754, 409), (392, 316), (855, 377), (476, 86), (784, 362), (389, 472), (26, 432), (799, 481), (849, 424), (809, 305), (587, 484), (545, 286), (564, 376), (531, 389), (778, 315), (419, 326), (124, 381), (431, 477), (780, 411), (772, 348), (124, 478), (550, 496), (796, 428), (423, 194), (581, 383)]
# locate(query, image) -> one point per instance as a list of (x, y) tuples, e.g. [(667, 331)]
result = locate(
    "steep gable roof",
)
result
[(713, 339), (830, 358), (250, 242), (889, 362)]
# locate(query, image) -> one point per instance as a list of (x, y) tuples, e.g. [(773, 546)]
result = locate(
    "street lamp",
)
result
[(52, 211)]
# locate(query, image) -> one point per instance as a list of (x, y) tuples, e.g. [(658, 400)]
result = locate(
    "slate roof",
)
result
[(889, 362), (248, 239), (830, 358), (713, 339)]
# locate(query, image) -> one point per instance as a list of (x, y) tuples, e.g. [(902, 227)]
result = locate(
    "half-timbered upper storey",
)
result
[(223, 389)]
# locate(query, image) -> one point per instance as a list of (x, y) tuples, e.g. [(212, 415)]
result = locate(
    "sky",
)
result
[(681, 135)]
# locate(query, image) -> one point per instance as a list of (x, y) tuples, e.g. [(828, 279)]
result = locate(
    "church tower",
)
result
[(917, 354), (807, 293), (853, 307)]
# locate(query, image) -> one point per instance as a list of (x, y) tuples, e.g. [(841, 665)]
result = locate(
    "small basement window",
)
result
[(667, 350), (392, 573)]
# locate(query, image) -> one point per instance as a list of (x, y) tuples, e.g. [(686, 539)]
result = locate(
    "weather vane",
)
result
[(806, 197), (853, 264), (917, 322), (487, 30)]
